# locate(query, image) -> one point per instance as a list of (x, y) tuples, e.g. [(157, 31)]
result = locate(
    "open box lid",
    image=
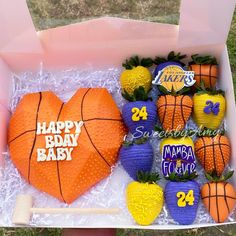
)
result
[(202, 22), (22, 47)]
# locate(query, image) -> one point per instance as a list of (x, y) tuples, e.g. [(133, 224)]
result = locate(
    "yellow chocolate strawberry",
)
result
[(187, 141), (177, 156), (209, 108), (136, 74), (145, 198)]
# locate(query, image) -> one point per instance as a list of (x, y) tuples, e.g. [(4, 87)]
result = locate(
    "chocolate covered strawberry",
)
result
[(219, 196), (136, 156), (209, 108), (205, 70), (145, 198), (172, 59), (136, 74), (177, 155), (182, 196), (174, 110), (140, 113), (213, 153)]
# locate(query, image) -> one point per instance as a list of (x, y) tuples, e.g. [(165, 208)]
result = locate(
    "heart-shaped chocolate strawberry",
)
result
[(64, 149)]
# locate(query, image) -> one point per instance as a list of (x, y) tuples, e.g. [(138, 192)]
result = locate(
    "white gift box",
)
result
[(103, 43)]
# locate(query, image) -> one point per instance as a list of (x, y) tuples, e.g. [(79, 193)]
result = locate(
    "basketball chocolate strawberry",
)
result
[(182, 196), (136, 74), (209, 108), (145, 198), (205, 70), (136, 156), (140, 113), (213, 153), (172, 59), (219, 196), (174, 109), (177, 156)]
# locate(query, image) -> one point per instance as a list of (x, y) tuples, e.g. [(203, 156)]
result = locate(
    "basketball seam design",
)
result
[(222, 155), (221, 195), (168, 105), (181, 110), (88, 120), (58, 171), (173, 117), (82, 103), (35, 135), (226, 197), (18, 136), (210, 145), (163, 118)]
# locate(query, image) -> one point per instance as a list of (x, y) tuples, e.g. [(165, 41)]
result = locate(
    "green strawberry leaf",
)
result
[(213, 177), (203, 60), (172, 56), (185, 177), (147, 177), (139, 94), (136, 61)]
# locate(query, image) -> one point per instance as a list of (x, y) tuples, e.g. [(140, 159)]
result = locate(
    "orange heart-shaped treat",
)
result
[(64, 149)]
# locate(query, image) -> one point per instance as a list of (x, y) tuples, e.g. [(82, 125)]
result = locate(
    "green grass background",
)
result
[(52, 13)]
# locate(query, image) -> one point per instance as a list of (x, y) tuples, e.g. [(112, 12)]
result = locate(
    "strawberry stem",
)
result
[(203, 60), (213, 177), (136, 141), (172, 56), (175, 177), (146, 177), (136, 61), (139, 94)]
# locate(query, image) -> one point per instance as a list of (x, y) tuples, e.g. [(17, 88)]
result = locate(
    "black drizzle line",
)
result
[(217, 207), (213, 156), (210, 145), (209, 194), (205, 75), (204, 157), (165, 105), (181, 110), (210, 75), (219, 195), (173, 117), (82, 104), (18, 136), (200, 73), (58, 171), (36, 122), (109, 119), (222, 155), (226, 201), (171, 105)]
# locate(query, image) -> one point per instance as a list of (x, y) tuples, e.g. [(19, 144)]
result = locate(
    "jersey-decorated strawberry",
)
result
[(174, 109), (209, 108), (140, 114), (213, 153), (172, 59), (177, 155), (136, 156), (145, 198), (136, 74), (205, 69), (219, 196), (182, 196)]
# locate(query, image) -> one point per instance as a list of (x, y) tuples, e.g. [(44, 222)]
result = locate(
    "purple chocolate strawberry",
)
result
[(182, 196), (140, 114), (136, 156), (172, 59)]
